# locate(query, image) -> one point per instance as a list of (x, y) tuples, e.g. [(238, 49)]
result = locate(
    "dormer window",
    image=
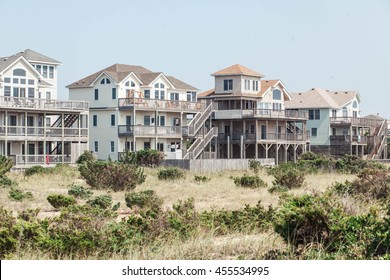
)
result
[(255, 86), (105, 81), (354, 105), (276, 94), (227, 85), (130, 84)]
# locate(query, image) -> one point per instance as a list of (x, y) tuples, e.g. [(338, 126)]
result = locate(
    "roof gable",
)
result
[(236, 70), (10, 62), (33, 56)]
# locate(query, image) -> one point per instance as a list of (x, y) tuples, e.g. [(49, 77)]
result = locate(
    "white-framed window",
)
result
[(247, 84), (112, 120), (105, 81), (276, 94), (255, 86), (159, 92), (112, 146), (129, 84), (313, 132), (314, 114), (96, 146)]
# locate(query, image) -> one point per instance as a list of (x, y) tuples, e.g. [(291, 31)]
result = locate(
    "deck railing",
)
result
[(152, 131), (32, 131), (348, 121), (264, 137), (157, 104), (260, 113), (45, 104)]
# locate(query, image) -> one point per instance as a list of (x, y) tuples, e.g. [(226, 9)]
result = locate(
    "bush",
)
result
[(5, 165), (170, 173), (254, 165), (143, 199), (199, 178), (79, 191), (19, 195), (277, 188), (101, 201), (60, 200), (111, 175), (287, 175), (8, 240), (247, 181), (85, 156), (37, 169), (146, 157), (7, 182)]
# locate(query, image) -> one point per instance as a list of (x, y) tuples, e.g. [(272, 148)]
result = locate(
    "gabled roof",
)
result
[(119, 72), (321, 98), (266, 85), (30, 55), (7, 62), (237, 70)]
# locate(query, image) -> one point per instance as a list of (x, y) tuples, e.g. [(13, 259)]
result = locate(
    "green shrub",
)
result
[(146, 157), (79, 191), (60, 200), (7, 182), (5, 165), (101, 201), (170, 173), (143, 199), (19, 195), (373, 183), (247, 181), (184, 219), (85, 156), (38, 169), (287, 175), (111, 175), (200, 178), (254, 165), (8, 239), (278, 189)]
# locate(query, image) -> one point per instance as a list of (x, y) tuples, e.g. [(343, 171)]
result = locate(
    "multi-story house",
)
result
[(133, 108), (35, 127), (251, 118), (335, 125)]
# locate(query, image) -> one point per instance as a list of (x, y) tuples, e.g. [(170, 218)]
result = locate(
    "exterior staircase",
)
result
[(380, 142), (69, 120), (200, 143)]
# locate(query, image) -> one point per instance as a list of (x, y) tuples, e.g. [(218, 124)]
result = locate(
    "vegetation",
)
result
[(248, 181), (148, 157), (19, 195), (170, 173), (111, 175), (85, 156), (337, 215), (287, 176), (201, 178)]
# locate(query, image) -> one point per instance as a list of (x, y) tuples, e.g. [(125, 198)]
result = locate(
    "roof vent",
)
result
[(312, 89), (346, 92), (300, 93), (335, 92)]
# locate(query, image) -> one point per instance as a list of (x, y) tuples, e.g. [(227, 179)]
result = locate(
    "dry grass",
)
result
[(220, 192)]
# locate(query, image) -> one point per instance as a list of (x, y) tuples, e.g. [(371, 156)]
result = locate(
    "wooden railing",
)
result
[(157, 104), (348, 121), (32, 131), (46, 104)]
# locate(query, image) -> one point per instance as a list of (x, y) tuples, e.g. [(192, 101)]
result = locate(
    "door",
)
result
[(263, 132)]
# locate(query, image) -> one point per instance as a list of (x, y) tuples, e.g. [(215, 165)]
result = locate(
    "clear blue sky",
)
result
[(338, 45)]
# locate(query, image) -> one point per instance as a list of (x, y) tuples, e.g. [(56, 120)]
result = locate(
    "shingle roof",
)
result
[(320, 98), (120, 71), (180, 84), (237, 69), (29, 55)]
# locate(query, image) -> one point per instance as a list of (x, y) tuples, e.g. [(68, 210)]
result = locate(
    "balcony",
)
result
[(269, 137), (32, 131), (167, 105), (40, 159), (42, 104), (150, 131), (351, 121), (261, 114)]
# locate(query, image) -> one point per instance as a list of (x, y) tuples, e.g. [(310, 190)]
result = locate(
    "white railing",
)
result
[(157, 104), (32, 131), (153, 131), (41, 159), (46, 104)]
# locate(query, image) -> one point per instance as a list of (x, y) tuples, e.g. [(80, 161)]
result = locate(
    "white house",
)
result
[(35, 127)]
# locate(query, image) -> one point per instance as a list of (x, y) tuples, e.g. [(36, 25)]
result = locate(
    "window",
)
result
[(146, 145), (22, 81), (113, 93), (162, 94), (354, 104), (7, 91), (158, 92), (15, 81), (94, 120), (7, 80), (255, 86), (105, 81), (96, 146), (355, 114), (160, 147), (96, 94), (51, 72), (147, 93), (112, 120), (174, 96), (161, 121), (31, 93), (30, 121), (277, 106), (30, 82), (276, 94), (44, 71), (228, 84), (147, 120), (19, 72), (191, 96), (313, 132), (112, 146), (129, 146), (314, 114), (12, 121), (345, 112), (247, 84), (48, 95), (38, 67), (334, 113)]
